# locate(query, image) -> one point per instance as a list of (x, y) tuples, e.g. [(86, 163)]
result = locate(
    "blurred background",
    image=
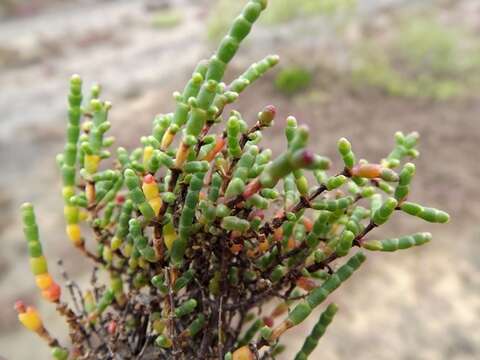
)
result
[(356, 68)]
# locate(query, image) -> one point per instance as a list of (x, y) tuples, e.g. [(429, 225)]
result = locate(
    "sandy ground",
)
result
[(420, 304)]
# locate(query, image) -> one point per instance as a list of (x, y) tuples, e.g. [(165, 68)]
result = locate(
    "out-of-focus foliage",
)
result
[(423, 59), (293, 79)]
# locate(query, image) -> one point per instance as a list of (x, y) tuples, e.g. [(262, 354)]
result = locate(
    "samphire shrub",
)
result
[(196, 238), (293, 79)]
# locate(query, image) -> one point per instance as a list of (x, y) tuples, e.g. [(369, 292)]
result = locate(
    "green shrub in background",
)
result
[(293, 79), (424, 59)]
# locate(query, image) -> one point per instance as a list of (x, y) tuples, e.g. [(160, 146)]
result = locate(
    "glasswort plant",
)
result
[(197, 238)]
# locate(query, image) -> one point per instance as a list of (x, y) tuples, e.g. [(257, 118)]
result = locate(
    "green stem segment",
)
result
[(401, 243), (318, 295), (133, 184), (318, 330), (425, 213), (69, 160), (255, 71), (186, 218)]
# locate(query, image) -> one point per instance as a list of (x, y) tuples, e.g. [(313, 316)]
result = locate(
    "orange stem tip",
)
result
[(369, 171)]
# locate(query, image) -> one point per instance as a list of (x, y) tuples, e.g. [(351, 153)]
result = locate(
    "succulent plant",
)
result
[(197, 237)]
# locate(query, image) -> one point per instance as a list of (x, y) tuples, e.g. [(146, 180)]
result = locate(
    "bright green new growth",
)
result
[(425, 213), (38, 264), (406, 175), (404, 242), (196, 231), (345, 150), (30, 228), (255, 71)]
